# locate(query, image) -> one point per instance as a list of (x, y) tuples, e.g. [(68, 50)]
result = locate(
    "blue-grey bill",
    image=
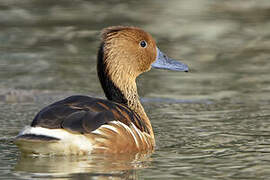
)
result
[(164, 62)]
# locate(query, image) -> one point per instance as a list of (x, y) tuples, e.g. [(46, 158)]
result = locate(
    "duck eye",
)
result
[(143, 44)]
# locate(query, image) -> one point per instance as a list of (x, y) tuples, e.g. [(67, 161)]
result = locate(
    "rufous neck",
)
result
[(120, 86)]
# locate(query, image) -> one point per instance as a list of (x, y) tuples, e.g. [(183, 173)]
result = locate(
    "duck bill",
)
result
[(164, 62)]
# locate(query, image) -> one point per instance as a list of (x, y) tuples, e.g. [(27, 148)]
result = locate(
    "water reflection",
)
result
[(82, 167)]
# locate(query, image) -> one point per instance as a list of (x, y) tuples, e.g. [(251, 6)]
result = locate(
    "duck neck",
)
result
[(120, 87)]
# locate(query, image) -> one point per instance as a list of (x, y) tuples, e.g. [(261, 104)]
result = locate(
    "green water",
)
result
[(210, 123)]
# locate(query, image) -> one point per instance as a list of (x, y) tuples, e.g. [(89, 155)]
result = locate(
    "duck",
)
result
[(80, 125)]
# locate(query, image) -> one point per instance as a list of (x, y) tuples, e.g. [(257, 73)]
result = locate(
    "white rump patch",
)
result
[(69, 143), (55, 133)]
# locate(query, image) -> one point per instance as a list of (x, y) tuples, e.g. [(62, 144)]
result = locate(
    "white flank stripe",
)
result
[(144, 136), (109, 127), (138, 131), (128, 129), (115, 122), (97, 131)]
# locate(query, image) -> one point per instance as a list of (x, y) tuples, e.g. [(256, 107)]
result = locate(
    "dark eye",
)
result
[(143, 44)]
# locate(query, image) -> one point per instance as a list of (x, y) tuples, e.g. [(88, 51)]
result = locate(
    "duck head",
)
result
[(125, 53), (134, 51)]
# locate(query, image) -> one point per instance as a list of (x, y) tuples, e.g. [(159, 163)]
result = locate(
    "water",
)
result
[(211, 123)]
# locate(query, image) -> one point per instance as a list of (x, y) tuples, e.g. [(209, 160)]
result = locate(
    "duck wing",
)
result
[(83, 114)]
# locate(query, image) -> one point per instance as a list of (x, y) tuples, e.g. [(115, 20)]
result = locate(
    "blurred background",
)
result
[(210, 123)]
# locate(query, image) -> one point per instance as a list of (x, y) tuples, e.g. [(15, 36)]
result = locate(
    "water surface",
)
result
[(210, 123)]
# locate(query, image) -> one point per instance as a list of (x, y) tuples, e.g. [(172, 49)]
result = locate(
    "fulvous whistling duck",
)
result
[(85, 125)]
